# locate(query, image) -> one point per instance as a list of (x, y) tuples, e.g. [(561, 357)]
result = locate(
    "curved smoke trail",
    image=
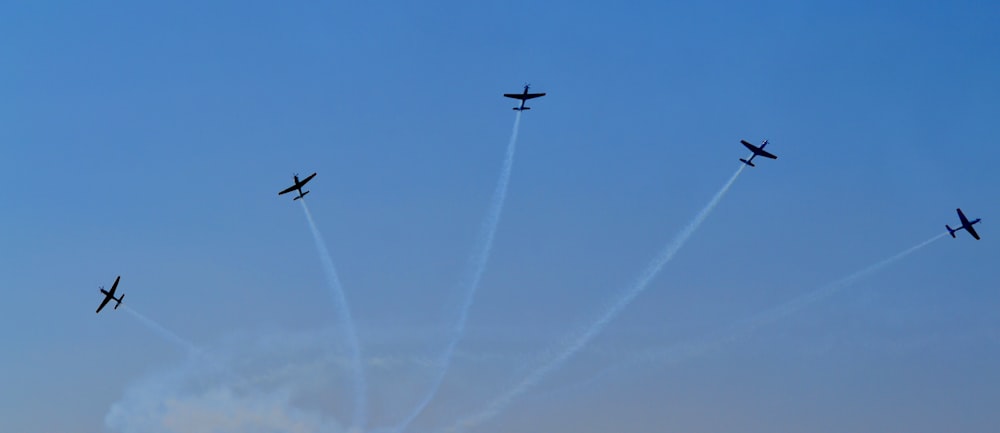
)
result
[(347, 322), (470, 282), (654, 267), (681, 352)]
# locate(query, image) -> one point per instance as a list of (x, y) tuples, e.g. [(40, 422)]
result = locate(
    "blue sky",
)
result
[(149, 140)]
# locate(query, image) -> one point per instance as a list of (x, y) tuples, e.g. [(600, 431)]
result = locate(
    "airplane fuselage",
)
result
[(110, 296), (524, 99), (298, 187), (968, 224)]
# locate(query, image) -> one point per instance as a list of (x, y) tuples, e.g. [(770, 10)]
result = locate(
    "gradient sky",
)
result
[(148, 139)]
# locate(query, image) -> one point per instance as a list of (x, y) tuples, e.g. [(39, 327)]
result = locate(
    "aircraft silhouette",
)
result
[(108, 296), (524, 97), (298, 186), (757, 151), (966, 224)]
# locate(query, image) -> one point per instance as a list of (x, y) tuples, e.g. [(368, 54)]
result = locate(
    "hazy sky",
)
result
[(149, 140)]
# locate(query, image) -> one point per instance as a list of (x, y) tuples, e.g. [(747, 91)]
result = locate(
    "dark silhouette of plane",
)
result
[(757, 151), (966, 224), (298, 186), (524, 97), (108, 296)]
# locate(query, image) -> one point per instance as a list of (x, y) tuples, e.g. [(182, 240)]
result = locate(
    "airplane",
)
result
[(298, 186), (757, 151), (966, 224), (524, 97), (108, 296)]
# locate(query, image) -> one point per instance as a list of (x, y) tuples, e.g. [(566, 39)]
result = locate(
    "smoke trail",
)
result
[(667, 254), (829, 289), (273, 392), (162, 331), (470, 282), (347, 322), (681, 352)]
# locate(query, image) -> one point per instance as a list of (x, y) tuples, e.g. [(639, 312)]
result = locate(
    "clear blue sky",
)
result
[(148, 139)]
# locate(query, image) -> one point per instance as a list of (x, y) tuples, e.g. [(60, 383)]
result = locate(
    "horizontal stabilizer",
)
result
[(747, 162), (950, 230), (303, 195)]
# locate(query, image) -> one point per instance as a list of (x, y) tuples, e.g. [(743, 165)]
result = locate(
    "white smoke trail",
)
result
[(254, 384), (194, 353), (681, 352), (500, 403), (347, 323), (267, 381), (829, 289), (470, 282), (162, 331)]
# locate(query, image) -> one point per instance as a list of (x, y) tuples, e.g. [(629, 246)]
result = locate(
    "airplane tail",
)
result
[(303, 195), (951, 231), (119, 300), (747, 162), (521, 108)]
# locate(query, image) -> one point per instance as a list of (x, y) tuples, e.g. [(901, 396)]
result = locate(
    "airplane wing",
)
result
[(961, 216), (103, 303), (307, 179), (520, 96), (972, 231), (532, 96), (115, 285), (765, 153), (750, 146), (289, 189)]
